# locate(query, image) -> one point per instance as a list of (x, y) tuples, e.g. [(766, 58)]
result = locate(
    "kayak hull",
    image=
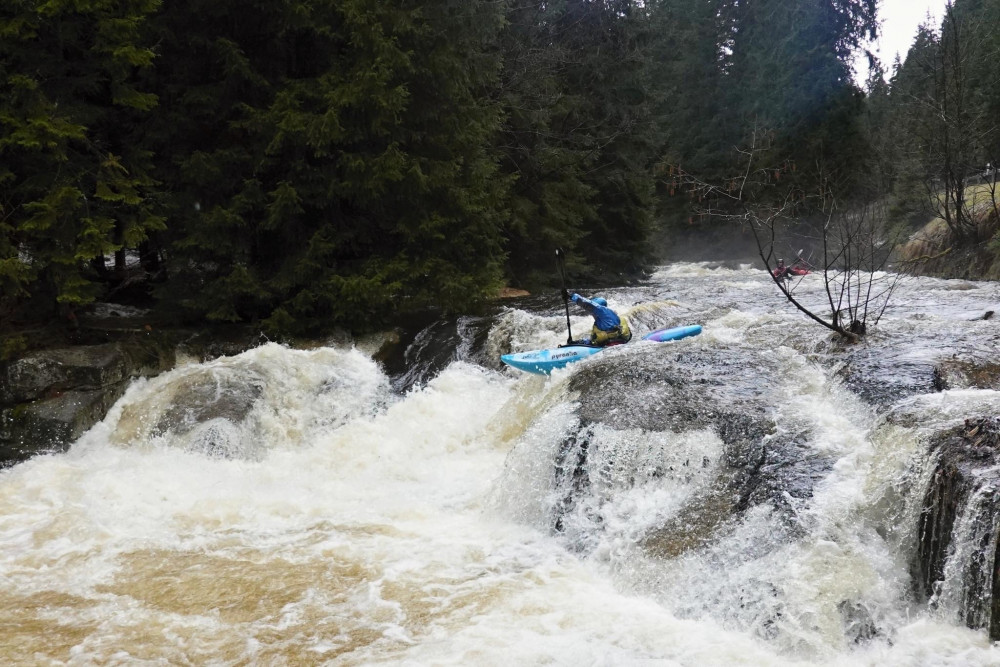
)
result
[(543, 362)]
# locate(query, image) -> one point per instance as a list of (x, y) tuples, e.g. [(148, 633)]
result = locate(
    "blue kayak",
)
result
[(675, 333), (544, 362)]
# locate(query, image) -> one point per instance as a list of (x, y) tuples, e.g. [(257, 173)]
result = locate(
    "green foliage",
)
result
[(689, 82), (579, 135), (73, 186), (945, 103), (12, 346), (335, 162), (313, 163), (788, 70), (769, 69)]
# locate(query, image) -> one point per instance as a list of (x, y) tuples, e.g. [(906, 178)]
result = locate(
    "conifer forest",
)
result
[(305, 164)]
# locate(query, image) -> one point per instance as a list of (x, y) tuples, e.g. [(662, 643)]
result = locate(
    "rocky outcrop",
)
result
[(51, 424), (882, 375), (717, 392), (206, 409), (379, 346), (414, 360), (966, 374), (40, 373), (958, 545), (49, 398), (932, 251)]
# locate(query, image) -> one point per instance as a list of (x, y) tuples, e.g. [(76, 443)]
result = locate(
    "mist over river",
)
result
[(749, 496)]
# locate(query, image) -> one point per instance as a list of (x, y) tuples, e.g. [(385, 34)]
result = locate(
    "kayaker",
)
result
[(785, 271), (781, 271), (609, 327)]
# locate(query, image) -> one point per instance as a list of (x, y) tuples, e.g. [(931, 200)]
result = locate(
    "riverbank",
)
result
[(64, 380), (933, 251), (59, 380)]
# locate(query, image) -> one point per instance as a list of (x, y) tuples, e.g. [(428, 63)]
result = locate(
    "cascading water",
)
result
[(748, 496)]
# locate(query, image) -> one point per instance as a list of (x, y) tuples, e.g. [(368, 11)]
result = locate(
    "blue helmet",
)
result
[(600, 301)]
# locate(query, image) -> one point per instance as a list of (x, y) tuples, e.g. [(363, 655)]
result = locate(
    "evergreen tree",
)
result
[(788, 70), (943, 97), (75, 182), (689, 83), (615, 77), (909, 83), (543, 152), (880, 133), (579, 135), (333, 159), (975, 21), (776, 71)]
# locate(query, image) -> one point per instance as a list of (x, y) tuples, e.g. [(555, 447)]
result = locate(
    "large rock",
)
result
[(49, 398), (884, 375), (415, 361), (967, 374), (716, 391), (209, 410), (45, 372), (49, 425), (379, 346), (221, 341), (958, 545)]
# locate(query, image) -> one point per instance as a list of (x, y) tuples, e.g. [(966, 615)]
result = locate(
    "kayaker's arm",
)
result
[(584, 301)]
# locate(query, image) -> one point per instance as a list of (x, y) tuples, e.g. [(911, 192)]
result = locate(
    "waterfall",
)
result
[(756, 495)]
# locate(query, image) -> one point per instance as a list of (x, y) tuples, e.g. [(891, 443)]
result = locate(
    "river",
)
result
[(300, 507)]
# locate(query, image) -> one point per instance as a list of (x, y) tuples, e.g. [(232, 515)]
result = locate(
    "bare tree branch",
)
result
[(856, 247)]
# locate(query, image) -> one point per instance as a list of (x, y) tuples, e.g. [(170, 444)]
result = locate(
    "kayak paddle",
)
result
[(562, 275)]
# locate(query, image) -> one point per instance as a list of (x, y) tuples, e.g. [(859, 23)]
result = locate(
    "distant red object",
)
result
[(788, 271)]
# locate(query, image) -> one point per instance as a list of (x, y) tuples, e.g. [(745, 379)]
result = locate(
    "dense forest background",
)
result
[(313, 163)]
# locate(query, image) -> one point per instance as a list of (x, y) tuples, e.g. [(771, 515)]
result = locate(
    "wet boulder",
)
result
[(883, 376), (418, 359), (48, 425), (737, 459), (48, 371), (209, 411), (966, 374), (379, 346), (859, 624), (201, 399), (49, 398), (883, 372), (958, 546)]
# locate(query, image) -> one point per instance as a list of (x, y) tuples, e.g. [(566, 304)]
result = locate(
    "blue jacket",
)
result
[(604, 318)]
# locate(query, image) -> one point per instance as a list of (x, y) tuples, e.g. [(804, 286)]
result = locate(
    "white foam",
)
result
[(350, 526)]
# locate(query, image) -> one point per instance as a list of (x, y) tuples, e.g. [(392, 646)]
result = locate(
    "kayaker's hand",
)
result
[(565, 295)]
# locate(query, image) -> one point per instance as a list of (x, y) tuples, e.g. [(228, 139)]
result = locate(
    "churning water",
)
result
[(289, 507)]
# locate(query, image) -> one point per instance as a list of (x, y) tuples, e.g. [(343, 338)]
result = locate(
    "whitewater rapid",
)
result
[(330, 519)]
